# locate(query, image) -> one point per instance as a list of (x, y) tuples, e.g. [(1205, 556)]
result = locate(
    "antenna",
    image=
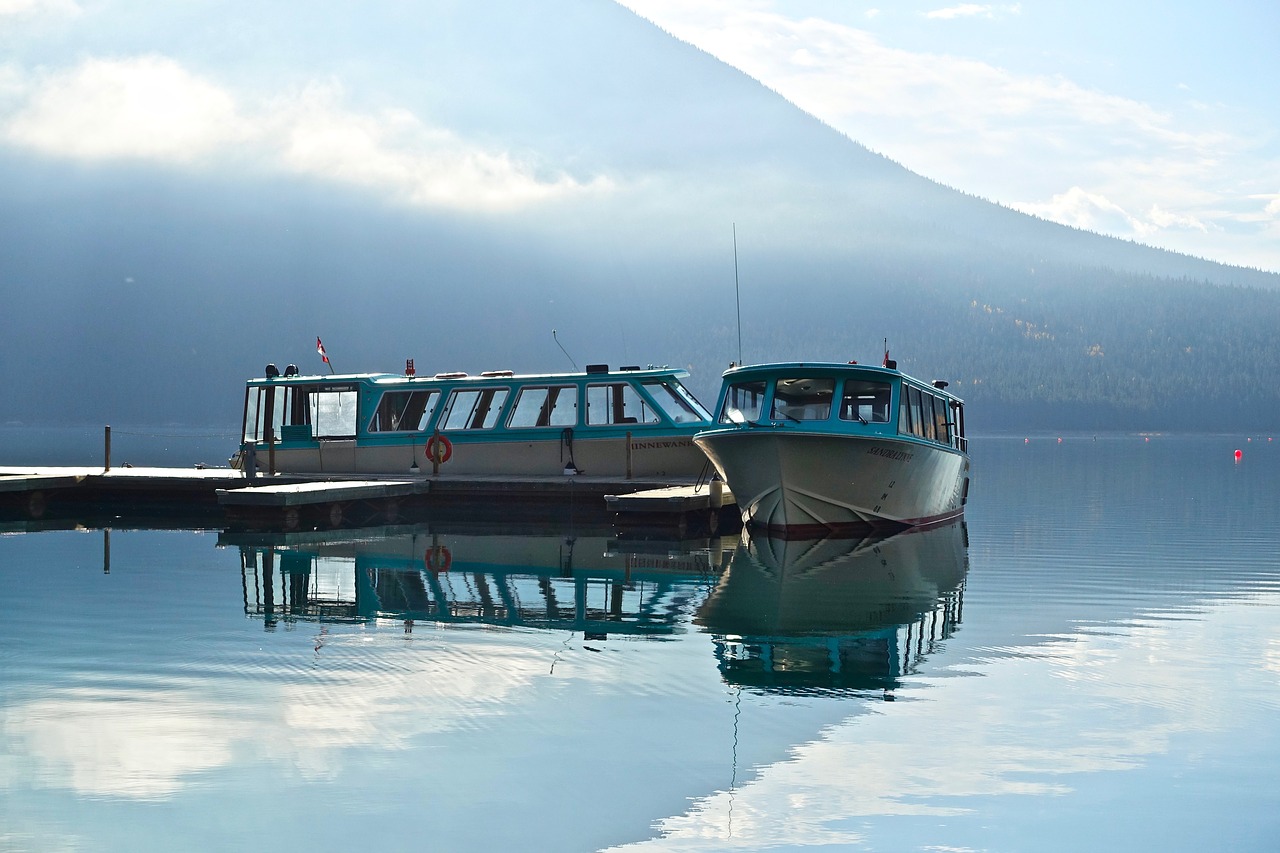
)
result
[(563, 350), (737, 297)]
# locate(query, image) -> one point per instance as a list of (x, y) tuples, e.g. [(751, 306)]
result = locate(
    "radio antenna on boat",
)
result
[(737, 298), (563, 350)]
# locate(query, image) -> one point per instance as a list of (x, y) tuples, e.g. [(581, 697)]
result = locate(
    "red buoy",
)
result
[(1239, 455)]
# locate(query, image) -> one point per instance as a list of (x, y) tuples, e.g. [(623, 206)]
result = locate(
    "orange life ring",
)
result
[(438, 558), (444, 449)]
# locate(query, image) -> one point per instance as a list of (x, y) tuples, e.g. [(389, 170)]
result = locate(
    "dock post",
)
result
[(629, 461), (106, 550), (106, 441), (435, 453), (271, 451)]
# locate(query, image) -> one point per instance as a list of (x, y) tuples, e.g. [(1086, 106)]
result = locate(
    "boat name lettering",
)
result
[(896, 455), (660, 445)]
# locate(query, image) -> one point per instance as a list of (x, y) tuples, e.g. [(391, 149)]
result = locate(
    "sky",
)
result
[(1155, 122)]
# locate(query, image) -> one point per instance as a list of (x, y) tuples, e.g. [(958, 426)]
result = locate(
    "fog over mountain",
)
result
[(192, 190)]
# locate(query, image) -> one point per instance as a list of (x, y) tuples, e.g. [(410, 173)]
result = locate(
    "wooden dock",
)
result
[(297, 502), (676, 507)]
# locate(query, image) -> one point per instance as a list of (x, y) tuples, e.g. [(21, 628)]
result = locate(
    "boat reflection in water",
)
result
[(783, 615), (836, 614), (592, 583)]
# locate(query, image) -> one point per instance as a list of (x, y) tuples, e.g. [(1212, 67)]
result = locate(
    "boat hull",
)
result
[(646, 456), (801, 484)]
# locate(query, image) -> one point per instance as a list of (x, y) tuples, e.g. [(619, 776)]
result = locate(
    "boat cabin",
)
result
[(843, 398), (497, 422)]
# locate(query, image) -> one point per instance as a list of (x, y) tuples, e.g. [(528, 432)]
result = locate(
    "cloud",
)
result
[(147, 744), (972, 10), (153, 109), (33, 8), (964, 10), (143, 108), (1093, 211), (393, 149)]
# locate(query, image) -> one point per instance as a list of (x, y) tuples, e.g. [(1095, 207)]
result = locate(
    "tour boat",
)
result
[(629, 422), (811, 449)]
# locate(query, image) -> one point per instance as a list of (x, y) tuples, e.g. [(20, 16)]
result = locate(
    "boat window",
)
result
[(742, 402), (866, 401), (618, 403), (926, 415), (679, 407), (940, 407), (404, 411), (803, 398), (917, 424), (473, 408), (537, 406), (904, 412), (253, 411), (332, 411)]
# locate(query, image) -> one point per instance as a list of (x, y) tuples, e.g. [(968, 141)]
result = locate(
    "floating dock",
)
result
[(297, 502)]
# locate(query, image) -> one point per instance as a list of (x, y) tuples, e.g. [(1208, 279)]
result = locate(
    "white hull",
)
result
[(809, 484), (650, 456)]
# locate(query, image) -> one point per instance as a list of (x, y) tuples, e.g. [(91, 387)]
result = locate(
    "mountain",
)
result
[(451, 182)]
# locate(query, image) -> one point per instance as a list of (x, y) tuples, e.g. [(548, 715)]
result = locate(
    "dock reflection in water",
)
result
[(836, 614), (784, 615)]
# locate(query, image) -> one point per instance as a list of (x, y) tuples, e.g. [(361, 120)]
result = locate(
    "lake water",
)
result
[(1090, 662)]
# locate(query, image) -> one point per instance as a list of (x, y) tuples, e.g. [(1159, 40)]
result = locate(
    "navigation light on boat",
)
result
[(272, 371), (291, 370), (408, 367)]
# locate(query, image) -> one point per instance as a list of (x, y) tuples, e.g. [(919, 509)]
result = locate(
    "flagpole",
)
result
[(324, 355)]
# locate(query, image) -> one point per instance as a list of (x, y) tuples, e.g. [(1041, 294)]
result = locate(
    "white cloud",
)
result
[(146, 744), (1096, 212), (151, 108), (107, 745), (964, 10), (32, 8), (972, 10), (1082, 209), (393, 149), (147, 108)]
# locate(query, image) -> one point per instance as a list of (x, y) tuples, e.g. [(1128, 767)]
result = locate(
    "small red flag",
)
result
[(320, 349)]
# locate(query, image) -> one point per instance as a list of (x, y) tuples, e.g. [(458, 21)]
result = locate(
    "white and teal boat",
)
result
[(629, 422), (812, 449)]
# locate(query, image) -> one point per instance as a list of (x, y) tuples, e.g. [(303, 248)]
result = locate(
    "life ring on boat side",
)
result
[(441, 451), (438, 558)]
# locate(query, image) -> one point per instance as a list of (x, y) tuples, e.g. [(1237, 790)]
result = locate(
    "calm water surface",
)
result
[(1091, 661)]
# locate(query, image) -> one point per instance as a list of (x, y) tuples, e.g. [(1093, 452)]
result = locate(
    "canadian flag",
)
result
[(320, 349)]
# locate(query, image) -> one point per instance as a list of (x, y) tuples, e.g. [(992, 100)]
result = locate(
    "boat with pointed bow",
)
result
[(811, 449)]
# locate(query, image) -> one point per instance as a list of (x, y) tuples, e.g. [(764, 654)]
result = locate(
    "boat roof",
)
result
[(592, 372), (772, 368)]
